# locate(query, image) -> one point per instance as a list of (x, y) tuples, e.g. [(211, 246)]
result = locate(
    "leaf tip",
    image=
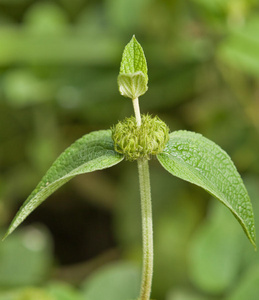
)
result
[(5, 236)]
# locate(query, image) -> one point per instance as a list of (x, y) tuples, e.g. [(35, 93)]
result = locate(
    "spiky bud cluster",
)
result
[(140, 141)]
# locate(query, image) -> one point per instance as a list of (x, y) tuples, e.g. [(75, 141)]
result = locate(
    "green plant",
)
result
[(187, 155)]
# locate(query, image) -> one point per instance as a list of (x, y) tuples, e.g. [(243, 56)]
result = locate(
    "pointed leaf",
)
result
[(133, 76), (94, 151), (192, 157)]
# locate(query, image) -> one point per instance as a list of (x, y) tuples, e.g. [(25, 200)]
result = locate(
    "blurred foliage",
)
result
[(59, 62), (26, 258), (119, 281)]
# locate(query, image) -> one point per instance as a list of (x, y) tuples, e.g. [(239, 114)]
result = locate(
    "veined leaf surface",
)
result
[(132, 85), (194, 158), (133, 59), (133, 78), (94, 151)]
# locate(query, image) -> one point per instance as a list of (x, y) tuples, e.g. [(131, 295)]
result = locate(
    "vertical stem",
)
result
[(146, 213), (136, 111), (147, 229)]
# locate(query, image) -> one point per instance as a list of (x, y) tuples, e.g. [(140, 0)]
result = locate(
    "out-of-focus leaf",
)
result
[(117, 281), (63, 291), (184, 295), (193, 158), (26, 258), (215, 6), (26, 294), (241, 48), (248, 286), (46, 18), (234, 10), (94, 151), (53, 291), (22, 88), (24, 46), (126, 15), (174, 225), (216, 253)]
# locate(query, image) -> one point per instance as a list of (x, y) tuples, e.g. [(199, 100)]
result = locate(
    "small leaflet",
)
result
[(133, 78)]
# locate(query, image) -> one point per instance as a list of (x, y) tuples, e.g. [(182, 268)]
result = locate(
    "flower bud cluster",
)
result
[(136, 142)]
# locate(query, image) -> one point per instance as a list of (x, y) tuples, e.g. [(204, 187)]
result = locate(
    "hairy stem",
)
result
[(147, 229), (136, 111), (146, 214)]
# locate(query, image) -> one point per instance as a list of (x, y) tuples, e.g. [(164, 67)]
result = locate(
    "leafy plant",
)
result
[(187, 155)]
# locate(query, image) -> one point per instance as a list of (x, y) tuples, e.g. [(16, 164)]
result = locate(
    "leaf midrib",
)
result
[(69, 175), (198, 175)]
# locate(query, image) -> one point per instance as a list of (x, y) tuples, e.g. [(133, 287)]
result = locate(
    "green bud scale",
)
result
[(143, 141)]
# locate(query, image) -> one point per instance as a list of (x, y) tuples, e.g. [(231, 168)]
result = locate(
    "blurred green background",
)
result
[(59, 62)]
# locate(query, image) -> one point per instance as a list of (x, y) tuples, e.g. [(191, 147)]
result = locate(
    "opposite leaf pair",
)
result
[(187, 155), (184, 154)]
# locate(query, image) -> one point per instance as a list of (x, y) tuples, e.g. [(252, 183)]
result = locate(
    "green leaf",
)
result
[(247, 287), (212, 247), (133, 77), (192, 157), (26, 259), (133, 59), (184, 294), (118, 281), (94, 151), (241, 48), (28, 293), (132, 85), (63, 291)]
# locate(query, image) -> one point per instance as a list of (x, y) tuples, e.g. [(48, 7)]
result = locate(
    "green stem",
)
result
[(136, 111), (147, 229)]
